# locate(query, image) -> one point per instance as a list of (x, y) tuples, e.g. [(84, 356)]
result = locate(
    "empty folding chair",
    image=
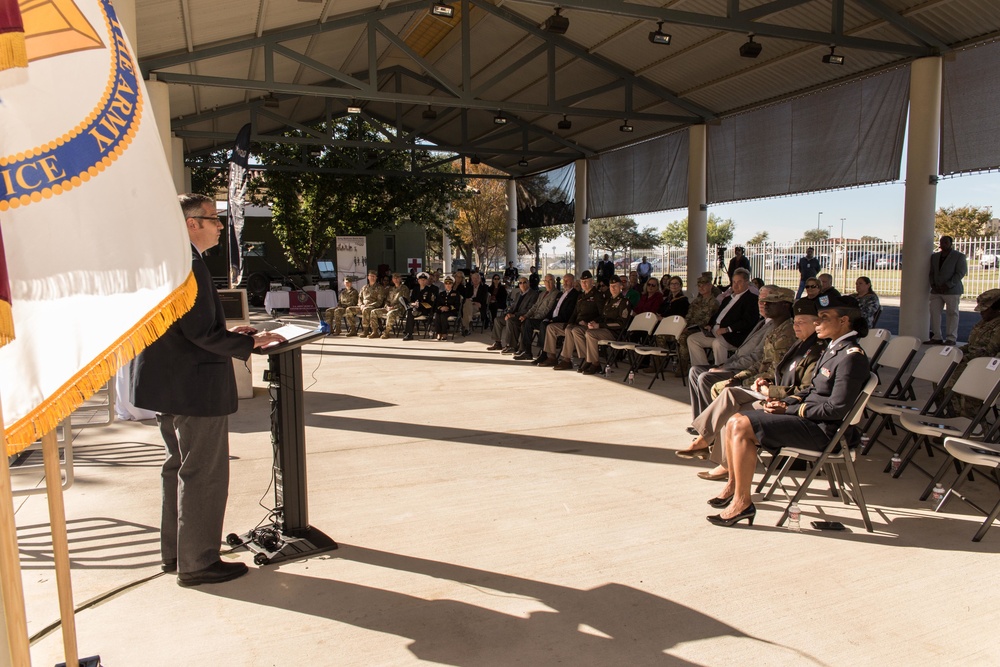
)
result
[(843, 458), (659, 356), (974, 453), (980, 380), (935, 368), (873, 344), (894, 361), (642, 326)]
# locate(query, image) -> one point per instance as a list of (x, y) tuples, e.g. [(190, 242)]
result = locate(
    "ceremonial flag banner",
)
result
[(238, 179), (97, 254)]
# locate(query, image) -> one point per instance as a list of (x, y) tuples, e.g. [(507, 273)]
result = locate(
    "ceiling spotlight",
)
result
[(499, 119), (442, 10), (833, 58), (557, 23), (658, 36), (625, 127), (751, 49), (475, 160), (522, 163), (271, 101), (565, 123), (354, 108), (429, 114)]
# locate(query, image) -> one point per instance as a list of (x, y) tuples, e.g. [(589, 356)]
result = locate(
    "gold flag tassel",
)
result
[(94, 375), (6, 322)]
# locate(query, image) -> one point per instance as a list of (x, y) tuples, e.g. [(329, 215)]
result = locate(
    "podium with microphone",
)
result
[(289, 535)]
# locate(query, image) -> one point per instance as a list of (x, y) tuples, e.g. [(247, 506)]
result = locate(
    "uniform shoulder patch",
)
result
[(855, 350)]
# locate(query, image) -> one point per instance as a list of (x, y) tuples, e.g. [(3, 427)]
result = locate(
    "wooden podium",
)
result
[(289, 536)]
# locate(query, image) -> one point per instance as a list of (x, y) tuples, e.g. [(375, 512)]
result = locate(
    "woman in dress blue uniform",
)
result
[(807, 419)]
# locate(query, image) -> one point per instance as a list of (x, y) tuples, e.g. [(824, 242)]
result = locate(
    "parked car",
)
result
[(782, 262), (891, 261), (990, 259)]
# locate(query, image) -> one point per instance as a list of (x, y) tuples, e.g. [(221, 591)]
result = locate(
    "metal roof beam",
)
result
[(304, 168), (740, 24), (878, 8)]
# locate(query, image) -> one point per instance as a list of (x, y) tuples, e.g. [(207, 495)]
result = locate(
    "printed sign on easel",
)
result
[(352, 258)]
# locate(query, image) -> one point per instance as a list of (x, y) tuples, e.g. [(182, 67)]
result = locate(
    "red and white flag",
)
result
[(96, 251)]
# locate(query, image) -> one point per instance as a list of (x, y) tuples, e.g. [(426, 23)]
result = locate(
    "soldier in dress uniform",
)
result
[(395, 308), (589, 306), (448, 304), (422, 304), (346, 306), (984, 341), (372, 297), (614, 318)]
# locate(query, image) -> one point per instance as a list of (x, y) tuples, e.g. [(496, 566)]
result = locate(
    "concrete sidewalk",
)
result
[(492, 513)]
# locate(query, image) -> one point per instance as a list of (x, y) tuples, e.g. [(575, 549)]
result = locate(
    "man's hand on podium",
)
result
[(266, 339)]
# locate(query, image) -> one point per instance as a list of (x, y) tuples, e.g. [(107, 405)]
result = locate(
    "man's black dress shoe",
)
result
[(408, 337), (749, 513), (522, 356), (719, 503), (169, 565), (215, 573), (692, 430)]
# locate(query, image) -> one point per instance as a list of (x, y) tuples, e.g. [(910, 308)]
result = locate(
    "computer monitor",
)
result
[(325, 268), (234, 304)]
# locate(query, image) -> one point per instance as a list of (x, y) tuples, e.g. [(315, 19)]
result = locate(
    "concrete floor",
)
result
[(492, 513)]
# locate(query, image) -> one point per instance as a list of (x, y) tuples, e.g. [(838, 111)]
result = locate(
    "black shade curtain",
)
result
[(970, 107), (547, 199), (646, 177)]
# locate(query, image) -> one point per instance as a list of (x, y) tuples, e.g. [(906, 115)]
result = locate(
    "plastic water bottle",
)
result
[(865, 439), (894, 463), (936, 495), (607, 370), (631, 377), (794, 518)]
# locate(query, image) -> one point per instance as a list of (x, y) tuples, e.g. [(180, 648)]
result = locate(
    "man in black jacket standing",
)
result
[(186, 376)]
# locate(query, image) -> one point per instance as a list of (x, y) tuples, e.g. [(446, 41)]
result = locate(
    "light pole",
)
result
[(844, 241), (818, 216)]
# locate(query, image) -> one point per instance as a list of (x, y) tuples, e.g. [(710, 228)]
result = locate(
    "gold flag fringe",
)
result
[(12, 50), (6, 323), (94, 375)]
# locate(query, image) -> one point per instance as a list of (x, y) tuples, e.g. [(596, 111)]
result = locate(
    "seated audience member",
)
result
[(633, 291), (675, 302), (702, 378), (729, 397), (372, 297), (651, 298), (729, 326), (811, 288), (411, 280), (448, 304), (476, 299), (395, 306), (561, 312), (507, 327), (421, 304), (806, 419), (589, 305), (867, 299), (347, 306), (615, 314), (984, 341), (541, 310), (665, 285), (498, 297), (826, 285), (700, 312)]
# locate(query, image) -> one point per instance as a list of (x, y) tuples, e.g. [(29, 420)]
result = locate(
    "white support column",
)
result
[(181, 174), (159, 104), (581, 224), (445, 252), (510, 237), (697, 260), (920, 198)]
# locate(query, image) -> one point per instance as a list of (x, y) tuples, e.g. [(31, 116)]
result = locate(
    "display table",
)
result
[(299, 303)]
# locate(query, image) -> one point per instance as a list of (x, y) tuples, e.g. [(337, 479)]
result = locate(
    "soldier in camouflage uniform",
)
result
[(776, 343), (699, 315), (372, 297), (346, 306), (393, 309), (984, 341)]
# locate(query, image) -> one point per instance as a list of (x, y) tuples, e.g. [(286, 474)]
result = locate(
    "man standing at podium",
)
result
[(186, 376)]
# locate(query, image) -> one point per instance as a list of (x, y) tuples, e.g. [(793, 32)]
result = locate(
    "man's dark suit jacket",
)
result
[(567, 308), (523, 303), (741, 318), (187, 371)]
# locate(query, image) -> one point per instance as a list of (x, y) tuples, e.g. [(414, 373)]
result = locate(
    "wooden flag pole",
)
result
[(60, 544), (12, 588)]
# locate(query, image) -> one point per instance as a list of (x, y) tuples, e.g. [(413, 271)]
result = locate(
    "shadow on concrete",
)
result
[(612, 624), (96, 543), (500, 359)]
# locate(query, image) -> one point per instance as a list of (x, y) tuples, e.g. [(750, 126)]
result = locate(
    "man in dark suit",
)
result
[(186, 376), (561, 312), (729, 327)]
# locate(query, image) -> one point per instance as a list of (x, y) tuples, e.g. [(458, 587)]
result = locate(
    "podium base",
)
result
[(270, 545)]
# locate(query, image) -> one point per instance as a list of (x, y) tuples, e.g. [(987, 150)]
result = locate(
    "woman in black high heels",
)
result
[(806, 419)]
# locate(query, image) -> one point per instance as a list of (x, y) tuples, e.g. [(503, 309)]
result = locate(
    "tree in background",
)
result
[(871, 239), (718, 231), (311, 208), (212, 181), (962, 221), (620, 233), (759, 237), (479, 229), (815, 236)]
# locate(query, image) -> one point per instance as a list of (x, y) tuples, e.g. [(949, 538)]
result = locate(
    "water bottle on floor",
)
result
[(894, 463), (937, 495), (607, 370), (631, 377), (794, 518)]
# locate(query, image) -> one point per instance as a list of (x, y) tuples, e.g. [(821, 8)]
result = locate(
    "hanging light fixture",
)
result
[(353, 108), (443, 10), (271, 101), (522, 162), (499, 119), (658, 36), (751, 49), (625, 127), (429, 113), (565, 123), (833, 58), (475, 160), (557, 23)]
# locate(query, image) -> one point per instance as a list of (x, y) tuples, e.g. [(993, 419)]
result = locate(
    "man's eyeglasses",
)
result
[(522, 282), (808, 286), (206, 217)]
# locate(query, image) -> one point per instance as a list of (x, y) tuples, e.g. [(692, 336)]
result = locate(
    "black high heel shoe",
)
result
[(719, 503), (749, 513)]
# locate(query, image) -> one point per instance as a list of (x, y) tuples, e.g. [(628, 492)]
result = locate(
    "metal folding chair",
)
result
[(642, 325), (668, 326), (974, 453), (873, 344)]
